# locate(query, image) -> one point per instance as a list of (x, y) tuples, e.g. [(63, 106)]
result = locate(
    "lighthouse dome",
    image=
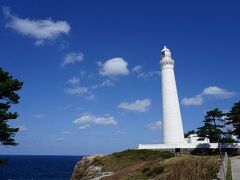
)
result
[(166, 56), (166, 52)]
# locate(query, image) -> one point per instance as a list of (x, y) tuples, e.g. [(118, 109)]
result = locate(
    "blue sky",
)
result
[(91, 69)]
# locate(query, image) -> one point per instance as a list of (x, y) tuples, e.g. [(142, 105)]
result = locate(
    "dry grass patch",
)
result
[(148, 164), (188, 168)]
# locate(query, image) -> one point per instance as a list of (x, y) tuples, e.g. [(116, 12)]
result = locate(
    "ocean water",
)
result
[(38, 167)]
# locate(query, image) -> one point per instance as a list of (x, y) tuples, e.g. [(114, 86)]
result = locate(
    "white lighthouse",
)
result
[(173, 136), (172, 121)]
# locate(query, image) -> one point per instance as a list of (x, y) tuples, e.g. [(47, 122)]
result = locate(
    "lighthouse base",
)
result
[(188, 146)]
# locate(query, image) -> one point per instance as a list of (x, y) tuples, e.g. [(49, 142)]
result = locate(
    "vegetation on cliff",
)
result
[(219, 126), (149, 164)]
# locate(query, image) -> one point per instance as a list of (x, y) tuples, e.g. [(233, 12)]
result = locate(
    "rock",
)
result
[(86, 168)]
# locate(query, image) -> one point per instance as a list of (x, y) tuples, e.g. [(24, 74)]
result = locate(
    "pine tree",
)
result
[(233, 118), (8, 97), (188, 133), (211, 128)]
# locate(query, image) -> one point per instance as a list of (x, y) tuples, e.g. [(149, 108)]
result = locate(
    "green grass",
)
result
[(149, 164), (137, 176), (128, 158), (229, 171)]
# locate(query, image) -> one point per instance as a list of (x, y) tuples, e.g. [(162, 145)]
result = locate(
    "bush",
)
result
[(145, 169), (166, 154), (156, 171)]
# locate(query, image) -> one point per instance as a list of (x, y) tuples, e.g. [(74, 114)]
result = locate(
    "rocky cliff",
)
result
[(89, 168)]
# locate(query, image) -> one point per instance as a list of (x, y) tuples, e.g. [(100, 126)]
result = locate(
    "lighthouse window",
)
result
[(163, 53)]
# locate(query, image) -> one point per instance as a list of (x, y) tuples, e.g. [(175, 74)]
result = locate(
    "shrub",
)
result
[(166, 154), (157, 170)]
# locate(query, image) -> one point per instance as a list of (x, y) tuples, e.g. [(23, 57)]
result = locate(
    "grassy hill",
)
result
[(149, 164), (145, 164)]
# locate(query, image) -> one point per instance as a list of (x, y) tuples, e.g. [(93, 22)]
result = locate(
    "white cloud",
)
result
[(109, 120), (72, 58), (121, 132), (39, 116), (91, 97), (218, 92), (22, 128), (114, 67), (195, 101), (86, 119), (148, 74), (64, 108), (85, 126), (40, 30), (73, 81), (39, 42), (60, 139), (142, 74), (155, 125), (211, 91), (137, 69), (77, 90), (106, 83), (66, 132), (137, 106)]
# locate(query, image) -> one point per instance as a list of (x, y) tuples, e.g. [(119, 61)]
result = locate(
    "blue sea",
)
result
[(38, 167)]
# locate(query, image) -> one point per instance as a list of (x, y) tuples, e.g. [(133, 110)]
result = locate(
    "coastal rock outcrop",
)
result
[(87, 168)]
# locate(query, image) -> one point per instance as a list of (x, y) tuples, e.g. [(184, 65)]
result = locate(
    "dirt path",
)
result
[(105, 174)]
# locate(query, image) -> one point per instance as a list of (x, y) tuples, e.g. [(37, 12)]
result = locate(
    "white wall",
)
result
[(188, 146)]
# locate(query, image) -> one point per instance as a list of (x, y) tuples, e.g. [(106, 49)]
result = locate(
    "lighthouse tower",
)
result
[(172, 121)]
